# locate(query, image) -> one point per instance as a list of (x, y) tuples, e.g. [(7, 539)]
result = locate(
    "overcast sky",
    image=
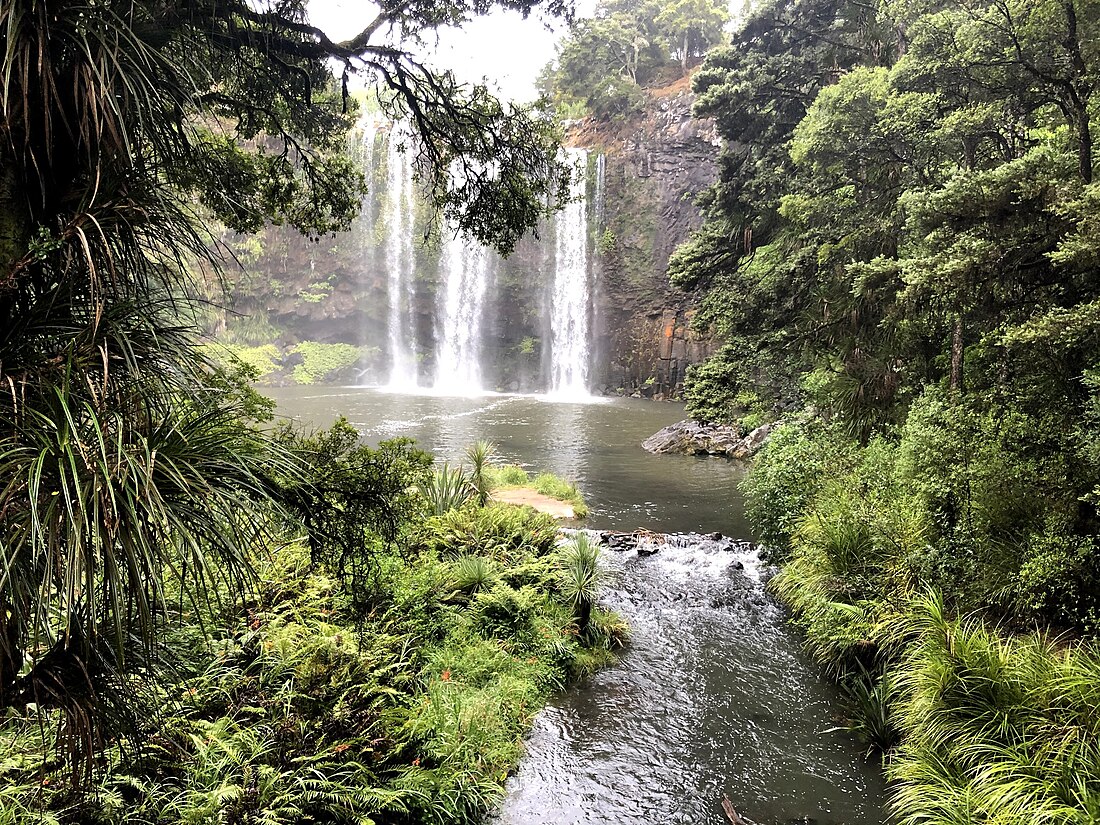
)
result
[(501, 47)]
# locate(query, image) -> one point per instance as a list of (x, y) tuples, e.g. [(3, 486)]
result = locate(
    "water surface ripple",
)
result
[(712, 698)]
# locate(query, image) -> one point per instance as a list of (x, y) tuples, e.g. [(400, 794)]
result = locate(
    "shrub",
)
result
[(324, 362), (446, 489), (500, 531), (580, 579), (1059, 580), (503, 612), (472, 574), (786, 476)]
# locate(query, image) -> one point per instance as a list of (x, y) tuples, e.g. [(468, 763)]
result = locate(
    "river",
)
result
[(714, 696)]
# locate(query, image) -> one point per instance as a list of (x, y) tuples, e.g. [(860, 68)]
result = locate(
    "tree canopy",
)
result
[(629, 45), (903, 192)]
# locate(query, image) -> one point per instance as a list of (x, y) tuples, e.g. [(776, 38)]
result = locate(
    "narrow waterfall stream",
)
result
[(570, 304), (400, 260), (467, 271)]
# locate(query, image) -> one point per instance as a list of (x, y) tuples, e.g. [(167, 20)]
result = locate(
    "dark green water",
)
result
[(714, 696)]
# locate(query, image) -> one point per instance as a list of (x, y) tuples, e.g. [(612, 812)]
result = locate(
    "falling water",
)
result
[(400, 262), (467, 270), (570, 303), (601, 162)]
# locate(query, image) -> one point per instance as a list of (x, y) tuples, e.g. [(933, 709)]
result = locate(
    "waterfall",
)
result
[(467, 270), (400, 262), (570, 296), (523, 323), (601, 165)]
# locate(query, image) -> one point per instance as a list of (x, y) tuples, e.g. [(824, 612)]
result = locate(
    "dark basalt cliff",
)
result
[(655, 167)]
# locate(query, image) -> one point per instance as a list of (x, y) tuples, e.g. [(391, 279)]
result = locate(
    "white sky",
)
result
[(500, 47)]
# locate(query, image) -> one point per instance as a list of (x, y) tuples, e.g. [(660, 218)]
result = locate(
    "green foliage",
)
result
[(508, 475), (499, 531), (472, 574), (503, 611), (354, 502), (609, 59), (317, 292), (556, 487), (446, 489), (303, 710), (264, 359), (479, 454), (321, 362), (909, 243), (785, 478), (995, 727), (580, 579)]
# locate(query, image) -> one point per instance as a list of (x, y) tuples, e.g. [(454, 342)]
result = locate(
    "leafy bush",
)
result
[(324, 362), (501, 531), (1058, 583), (353, 501), (786, 476), (503, 611)]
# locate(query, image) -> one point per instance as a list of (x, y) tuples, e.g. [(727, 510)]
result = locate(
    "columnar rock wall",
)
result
[(655, 169)]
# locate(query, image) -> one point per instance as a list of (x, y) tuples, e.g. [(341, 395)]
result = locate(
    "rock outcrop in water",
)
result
[(693, 438)]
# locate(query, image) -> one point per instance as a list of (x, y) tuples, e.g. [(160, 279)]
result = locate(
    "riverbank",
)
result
[(974, 676), (395, 684)]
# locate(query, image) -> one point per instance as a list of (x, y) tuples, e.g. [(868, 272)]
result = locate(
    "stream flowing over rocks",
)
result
[(712, 698), (689, 437)]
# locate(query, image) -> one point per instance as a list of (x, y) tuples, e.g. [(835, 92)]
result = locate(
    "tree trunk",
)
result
[(1084, 144), (957, 356)]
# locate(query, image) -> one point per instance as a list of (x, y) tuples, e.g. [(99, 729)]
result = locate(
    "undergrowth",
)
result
[(296, 705), (910, 566)]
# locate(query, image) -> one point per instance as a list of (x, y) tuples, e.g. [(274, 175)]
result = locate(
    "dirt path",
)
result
[(533, 498)]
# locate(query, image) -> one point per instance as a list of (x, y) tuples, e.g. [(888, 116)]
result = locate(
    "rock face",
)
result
[(655, 168), (692, 438)]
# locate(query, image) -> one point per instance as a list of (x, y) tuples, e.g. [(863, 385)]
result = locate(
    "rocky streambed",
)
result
[(712, 700)]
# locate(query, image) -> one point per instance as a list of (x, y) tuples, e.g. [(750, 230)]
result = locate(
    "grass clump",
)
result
[(557, 487), (508, 475)]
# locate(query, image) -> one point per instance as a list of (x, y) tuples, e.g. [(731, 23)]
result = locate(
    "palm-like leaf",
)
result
[(581, 578)]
